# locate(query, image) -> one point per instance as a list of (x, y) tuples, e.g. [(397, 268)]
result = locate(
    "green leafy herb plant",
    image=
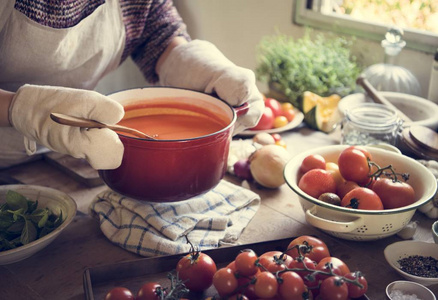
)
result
[(322, 65), (22, 221)]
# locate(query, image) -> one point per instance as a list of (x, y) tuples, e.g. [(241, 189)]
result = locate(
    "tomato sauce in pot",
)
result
[(176, 122)]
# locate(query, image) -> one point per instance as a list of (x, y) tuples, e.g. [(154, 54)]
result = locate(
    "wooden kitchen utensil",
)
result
[(376, 97), (86, 123)]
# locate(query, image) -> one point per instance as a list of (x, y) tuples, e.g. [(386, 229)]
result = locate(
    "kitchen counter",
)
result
[(56, 272)]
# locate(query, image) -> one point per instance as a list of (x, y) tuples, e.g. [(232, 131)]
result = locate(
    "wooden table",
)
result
[(56, 272)]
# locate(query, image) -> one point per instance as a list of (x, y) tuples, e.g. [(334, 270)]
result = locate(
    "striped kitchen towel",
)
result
[(149, 229)]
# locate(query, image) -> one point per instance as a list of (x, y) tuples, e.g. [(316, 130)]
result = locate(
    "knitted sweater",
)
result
[(149, 24)]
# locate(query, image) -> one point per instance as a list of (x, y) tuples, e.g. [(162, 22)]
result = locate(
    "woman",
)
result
[(53, 53)]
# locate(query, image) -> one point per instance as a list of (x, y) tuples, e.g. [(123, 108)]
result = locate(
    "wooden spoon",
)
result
[(376, 97), (86, 123)]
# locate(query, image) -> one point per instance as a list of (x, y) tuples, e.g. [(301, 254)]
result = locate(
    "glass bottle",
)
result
[(388, 76), (370, 123)]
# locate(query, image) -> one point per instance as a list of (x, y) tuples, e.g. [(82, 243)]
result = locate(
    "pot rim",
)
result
[(203, 94)]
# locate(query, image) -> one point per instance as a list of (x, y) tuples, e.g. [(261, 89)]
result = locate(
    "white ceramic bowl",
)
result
[(421, 111), (396, 251), (359, 224), (56, 201), (408, 288)]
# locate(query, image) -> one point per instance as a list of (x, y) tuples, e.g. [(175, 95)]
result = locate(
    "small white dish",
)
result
[(298, 119), (422, 112), (56, 201), (397, 289), (396, 251)]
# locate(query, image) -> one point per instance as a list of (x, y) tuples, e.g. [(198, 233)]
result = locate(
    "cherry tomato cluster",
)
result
[(304, 271), (355, 181), (275, 115)]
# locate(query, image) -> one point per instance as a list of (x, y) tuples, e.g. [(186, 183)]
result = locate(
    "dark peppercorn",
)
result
[(423, 266)]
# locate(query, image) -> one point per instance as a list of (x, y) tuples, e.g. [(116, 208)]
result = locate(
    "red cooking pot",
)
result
[(172, 169)]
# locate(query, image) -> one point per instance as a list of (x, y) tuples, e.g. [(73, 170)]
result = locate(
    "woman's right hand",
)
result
[(30, 110)]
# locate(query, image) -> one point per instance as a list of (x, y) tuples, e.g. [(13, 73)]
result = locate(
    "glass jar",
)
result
[(370, 123)]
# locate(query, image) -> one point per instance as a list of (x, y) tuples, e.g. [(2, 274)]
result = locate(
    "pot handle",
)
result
[(337, 226), (242, 109)]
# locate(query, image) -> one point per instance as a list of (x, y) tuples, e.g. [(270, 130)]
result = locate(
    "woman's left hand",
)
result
[(199, 65)]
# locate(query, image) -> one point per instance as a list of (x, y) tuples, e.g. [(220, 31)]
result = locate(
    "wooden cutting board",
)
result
[(422, 141), (78, 169)]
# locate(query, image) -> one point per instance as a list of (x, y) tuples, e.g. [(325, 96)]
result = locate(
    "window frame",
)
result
[(415, 39)]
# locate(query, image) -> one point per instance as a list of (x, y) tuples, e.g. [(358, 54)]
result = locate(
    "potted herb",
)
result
[(321, 65)]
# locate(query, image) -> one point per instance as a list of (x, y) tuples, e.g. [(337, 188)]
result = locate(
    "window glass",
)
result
[(371, 19), (414, 14)]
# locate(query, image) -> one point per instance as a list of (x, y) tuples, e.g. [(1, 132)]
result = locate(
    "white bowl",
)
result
[(396, 251), (359, 224), (421, 111), (56, 201), (409, 288)]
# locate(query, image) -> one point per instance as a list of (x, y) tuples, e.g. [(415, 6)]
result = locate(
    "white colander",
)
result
[(359, 224)]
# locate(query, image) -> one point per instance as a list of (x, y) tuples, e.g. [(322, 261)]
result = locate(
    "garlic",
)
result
[(430, 208), (408, 231)]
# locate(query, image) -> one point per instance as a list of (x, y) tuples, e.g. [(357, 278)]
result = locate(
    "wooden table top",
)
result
[(57, 271)]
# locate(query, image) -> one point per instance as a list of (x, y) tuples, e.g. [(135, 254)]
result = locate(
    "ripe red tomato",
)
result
[(245, 263), (346, 186), (238, 297), (273, 261), (196, 270), (266, 285), (333, 288), (353, 165), (310, 265), (363, 150), (291, 287), (275, 106), (339, 267), (119, 293), (394, 194), (266, 121), (316, 182), (150, 291), (225, 281), (276, 136), (313, 161), (289, 114), (355, 291), (311, 247), (362, 198)]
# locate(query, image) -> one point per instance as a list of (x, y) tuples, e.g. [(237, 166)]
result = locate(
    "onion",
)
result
[(242, 170), (267, 165), (263, 138)]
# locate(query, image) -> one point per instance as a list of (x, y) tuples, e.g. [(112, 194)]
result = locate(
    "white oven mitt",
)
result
[(199, 65), (30, 112)]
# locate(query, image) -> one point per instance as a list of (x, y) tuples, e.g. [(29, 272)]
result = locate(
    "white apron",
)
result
[(76, 57)]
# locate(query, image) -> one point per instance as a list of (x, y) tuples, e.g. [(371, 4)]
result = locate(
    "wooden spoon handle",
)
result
[(373, 93), (86, 123)]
